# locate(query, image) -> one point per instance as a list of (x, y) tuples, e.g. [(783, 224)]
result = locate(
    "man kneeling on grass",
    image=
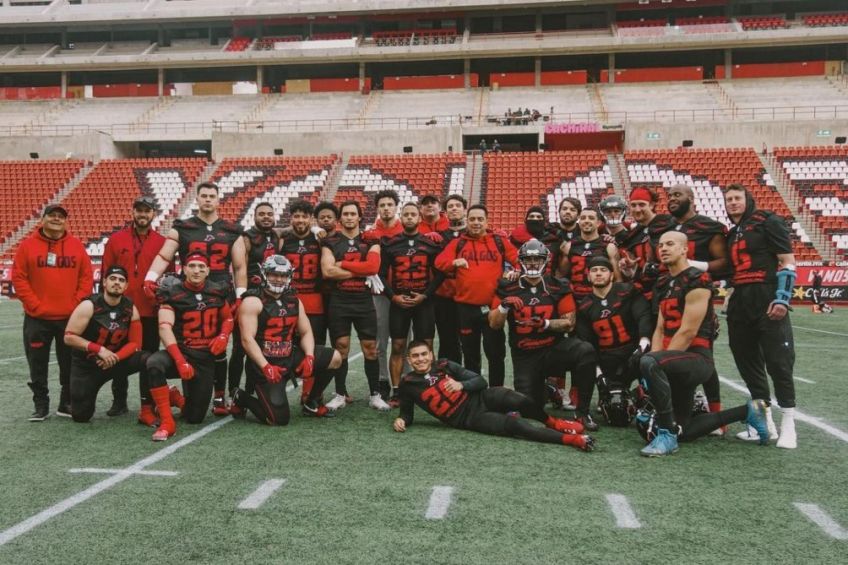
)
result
[(461, 399)]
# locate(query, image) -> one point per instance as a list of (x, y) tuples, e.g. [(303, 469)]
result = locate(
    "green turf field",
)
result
[(355, 491)]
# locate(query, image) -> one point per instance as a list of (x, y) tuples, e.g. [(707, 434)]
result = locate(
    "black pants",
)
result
[(38, 336), (87, 378), (149, 343), (759, 344), (492, 416), (447, 324), (271, 404), (615, 366), (569, 354), (473, 325), (197, 391)]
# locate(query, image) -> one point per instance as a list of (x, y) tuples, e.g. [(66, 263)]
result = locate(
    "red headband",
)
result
[(642, 194), (197, 257)]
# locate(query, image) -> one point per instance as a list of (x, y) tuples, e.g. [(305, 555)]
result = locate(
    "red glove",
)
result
[(435, 237), (219, 343), (149, 288), (514, 303), (273, 373), (305, 367), (184, 368)]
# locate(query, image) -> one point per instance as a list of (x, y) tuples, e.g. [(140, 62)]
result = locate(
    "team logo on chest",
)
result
[(431, 379), (113, 315), (605, 313), (533, 301), (209, 237)]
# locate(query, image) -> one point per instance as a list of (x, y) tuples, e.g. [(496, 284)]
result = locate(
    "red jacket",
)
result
[(51, 292), (380, 230), (127, 250), (441, 224), (476, 285)]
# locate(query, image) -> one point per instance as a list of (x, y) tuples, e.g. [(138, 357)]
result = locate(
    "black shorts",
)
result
[(323, 358), (355, 310), (422, 318)]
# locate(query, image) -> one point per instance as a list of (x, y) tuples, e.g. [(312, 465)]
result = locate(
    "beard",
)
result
[(682, 209)]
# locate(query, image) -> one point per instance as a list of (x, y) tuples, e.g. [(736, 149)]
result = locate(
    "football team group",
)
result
[(623, 305)]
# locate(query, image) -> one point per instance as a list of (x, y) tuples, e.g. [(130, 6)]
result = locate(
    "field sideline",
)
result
[(350, 489)]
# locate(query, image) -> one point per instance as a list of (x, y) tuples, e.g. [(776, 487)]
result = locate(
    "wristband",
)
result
[(151, 276), (503, 310), (547, 324), (700, 265), (644, 344), (239, 291), (785, 284), (93, 347)]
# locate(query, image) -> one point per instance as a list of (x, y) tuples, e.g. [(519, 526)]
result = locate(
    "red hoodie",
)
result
[(51, 293), (476, 285), (441, 224), (380, 230), (127, 250)]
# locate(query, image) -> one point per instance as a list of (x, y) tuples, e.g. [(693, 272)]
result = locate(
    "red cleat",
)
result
[(219, 406), (164, 431), (146, 417), (176, 398), (564, 426), (583, 442)]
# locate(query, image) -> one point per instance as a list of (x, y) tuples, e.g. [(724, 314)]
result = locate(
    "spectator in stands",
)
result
[(496, 147), (51, 275), (134, 248), (483, 146), (432, 217)]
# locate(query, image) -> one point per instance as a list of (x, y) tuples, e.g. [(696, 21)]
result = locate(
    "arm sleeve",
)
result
[(134, 343), (444, 260), (777, 234), (642, 313), (20, 280), (566, 304), (370, 266), (471, 381)]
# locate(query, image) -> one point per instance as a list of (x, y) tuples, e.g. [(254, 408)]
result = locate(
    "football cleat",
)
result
[(338, 401), (588, 422), (751, 433), (554, 394), (564, 426), (64, 411), (219, 406), (236, 411), (146, 417), (664, 444), (758, 420), (316, 410), (583, 442), (164, 431), (377, 403), (176, 398)]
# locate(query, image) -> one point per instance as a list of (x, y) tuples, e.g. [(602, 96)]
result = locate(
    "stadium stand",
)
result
[(425, 103), (756, 23), (412, 176), (100, 112), (238, 44), (246, 181), (820, 177), (781, 98), (512, 182), (311, 107), (190, 110), (664, 102), (414, 37), (826, 20), (708, 171), (27, 186), (269, 43), (572, 101), (705, 24)]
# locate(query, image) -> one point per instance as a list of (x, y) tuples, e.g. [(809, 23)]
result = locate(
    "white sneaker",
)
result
[(719, 432), (788, 439), (338, 401), (377, 403), (751, 435)]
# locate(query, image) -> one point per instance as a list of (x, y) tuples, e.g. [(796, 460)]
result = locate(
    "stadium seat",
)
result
[(755, 23), (826, 20)]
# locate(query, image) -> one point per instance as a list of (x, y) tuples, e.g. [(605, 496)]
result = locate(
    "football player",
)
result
[(104, 332), (638, 245), (569, 211), (460, 398), (535, 227), (581, 249), (195, 323), (759, 329), (270, 318), (447, 320), (681, 355), (353, 265), (411, 280), (219, 240), (616, 319), (541, 310), (613, 210)]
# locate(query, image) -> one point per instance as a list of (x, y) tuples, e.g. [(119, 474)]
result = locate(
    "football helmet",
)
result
[(608, 207), (533, 257), (277, 264), (699, 404), (617, 407)]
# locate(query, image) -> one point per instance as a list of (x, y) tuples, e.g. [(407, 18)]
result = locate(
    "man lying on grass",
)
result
[(461, 399)]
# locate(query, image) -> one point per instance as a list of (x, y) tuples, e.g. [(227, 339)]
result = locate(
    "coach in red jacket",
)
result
[(51, 275), (134, 248), (477, 257)]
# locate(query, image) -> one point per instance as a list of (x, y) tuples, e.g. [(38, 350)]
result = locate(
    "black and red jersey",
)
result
[(198, 315), (407, 265), (563, 234), (754, 245), (616, 321), (109, 326), (579, 254), (549, 299), (276, 328), (448, 287), (429, 393), (640, 243), (214, 240), (671, 293), (348, 249), (263, 244), (304, 253), (700, 230)]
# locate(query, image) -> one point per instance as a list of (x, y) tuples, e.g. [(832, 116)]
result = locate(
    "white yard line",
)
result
[(440, 501), (34, 521), (117, 471), (261, 494), (822, 519), (820, 331), (10, 359), (808, 381), (624, 515), (800, 416)]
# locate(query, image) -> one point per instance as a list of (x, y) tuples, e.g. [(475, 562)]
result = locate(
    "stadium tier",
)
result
[(826, 20), (820, 176), (26, 187), (754, 23), (412, 176), (512, 182), (708, 171), (246, 181)]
